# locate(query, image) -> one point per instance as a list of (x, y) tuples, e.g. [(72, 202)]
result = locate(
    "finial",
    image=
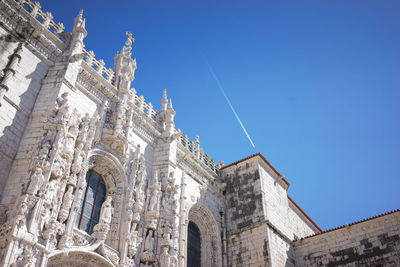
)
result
[(165, 94), (170, 104), (79, 26), (126, 50), (78, 19), (83, 24), (164, 100)]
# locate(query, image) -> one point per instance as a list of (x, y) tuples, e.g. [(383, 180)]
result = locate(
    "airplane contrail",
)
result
[(229, 103)]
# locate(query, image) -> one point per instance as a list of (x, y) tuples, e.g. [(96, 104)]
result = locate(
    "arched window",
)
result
[(92, 199), (193, 246)]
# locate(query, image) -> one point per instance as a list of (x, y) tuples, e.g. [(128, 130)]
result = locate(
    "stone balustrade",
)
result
[(194, 148), (146, 108), (45, 18), (98, 66)]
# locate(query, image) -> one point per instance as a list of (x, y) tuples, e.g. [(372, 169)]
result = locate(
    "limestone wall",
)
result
[(281, 249), (298, 223), (18, 101), (243, 195), (279, 209), (257, 199), (249, 247), (373, 242)]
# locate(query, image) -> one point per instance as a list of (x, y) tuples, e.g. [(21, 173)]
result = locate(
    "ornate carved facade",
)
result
[(92, 175)]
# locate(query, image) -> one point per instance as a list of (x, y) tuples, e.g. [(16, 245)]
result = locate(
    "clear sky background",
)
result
[(316, 84)]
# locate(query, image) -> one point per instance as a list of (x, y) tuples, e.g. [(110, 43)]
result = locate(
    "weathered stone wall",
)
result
[(243, 195), (373, 242), (298, 223), (247, 232), (281, 249), (249, 247), (279, 211), (257, 199)]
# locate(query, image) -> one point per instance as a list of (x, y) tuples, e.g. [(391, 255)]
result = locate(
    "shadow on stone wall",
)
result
[(12, 134)]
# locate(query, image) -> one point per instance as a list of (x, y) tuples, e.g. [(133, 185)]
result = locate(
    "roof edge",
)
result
[(302, 211), (353, 223), (264, 159)]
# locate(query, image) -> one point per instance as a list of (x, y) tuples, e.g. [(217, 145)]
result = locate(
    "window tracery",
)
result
[(92, 199)]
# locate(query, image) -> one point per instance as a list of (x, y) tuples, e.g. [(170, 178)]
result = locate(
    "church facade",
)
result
[(93, 175)]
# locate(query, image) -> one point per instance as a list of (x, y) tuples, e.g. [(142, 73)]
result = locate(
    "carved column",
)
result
[(9, 71)]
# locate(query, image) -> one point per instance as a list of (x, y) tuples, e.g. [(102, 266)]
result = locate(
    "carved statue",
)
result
[(52, 229), (70, 140), (165, 258), (43, 154), (21, 214), (107, 211), (155, 197), (78, 159), (148, 243), (133, 241), (51, 191), (63, 105), (66, 205), (26, 258), (126, 50), (37, 180), (59, 166), (173, 259), (45, 216), (153, 205)]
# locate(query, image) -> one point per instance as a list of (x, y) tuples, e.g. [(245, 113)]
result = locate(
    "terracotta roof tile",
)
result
[(357, 222)]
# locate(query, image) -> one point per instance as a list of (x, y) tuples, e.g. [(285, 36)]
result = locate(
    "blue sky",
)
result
[(316, 84)]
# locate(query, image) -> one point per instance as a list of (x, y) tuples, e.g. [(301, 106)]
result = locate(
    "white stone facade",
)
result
[(63, 116)]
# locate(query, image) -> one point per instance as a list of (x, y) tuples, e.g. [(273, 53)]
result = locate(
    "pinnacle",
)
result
[(170, 104)]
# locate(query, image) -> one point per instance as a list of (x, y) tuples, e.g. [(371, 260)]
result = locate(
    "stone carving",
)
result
[(124, 65), (174, 259), (9, 71), (53, 230), (41, 160), (106, 211), (22, 212), (165, 260), (155, 191), (101, 229), (63, 107), (45, 216), (133, 242), (51, 189), (153, 205), (37, 180), (59, 165), (148, 256), (26, 258), (66, 204), (80, 240), (149, 242)]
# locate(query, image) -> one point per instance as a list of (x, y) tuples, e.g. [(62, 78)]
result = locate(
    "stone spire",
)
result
[(79, 21), (170, 108), (164, 100), (78, 34), (124, 65), (169, 119)]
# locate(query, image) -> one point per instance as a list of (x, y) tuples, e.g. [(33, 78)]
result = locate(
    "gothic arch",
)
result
[(109, 167), (211, 245), (78, 258)]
